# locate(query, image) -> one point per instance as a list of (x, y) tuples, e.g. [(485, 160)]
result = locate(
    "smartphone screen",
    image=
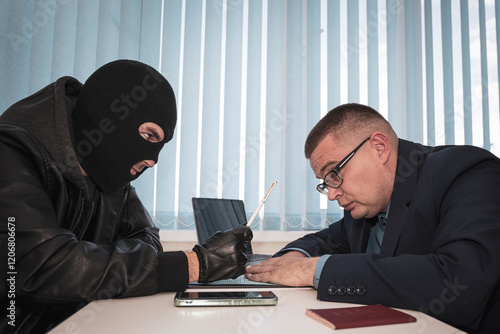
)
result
[(226, 298)]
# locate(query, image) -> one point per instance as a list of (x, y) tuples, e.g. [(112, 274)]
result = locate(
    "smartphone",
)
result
[(226, 298)]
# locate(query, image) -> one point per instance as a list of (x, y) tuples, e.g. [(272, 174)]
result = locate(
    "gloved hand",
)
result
[(223, 255)]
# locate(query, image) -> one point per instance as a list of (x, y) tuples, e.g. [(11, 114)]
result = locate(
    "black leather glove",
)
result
[(223, 255)]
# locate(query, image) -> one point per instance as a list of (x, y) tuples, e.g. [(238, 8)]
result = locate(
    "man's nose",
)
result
[(333, 193), (149, 163)]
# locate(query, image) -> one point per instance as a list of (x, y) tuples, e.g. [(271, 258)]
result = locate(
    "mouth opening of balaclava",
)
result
[(115, 100)]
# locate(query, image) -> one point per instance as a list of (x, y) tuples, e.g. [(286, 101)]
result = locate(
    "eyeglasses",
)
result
[(332, 178)]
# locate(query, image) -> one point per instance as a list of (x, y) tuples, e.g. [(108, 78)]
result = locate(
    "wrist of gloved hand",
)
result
[(223, 255)]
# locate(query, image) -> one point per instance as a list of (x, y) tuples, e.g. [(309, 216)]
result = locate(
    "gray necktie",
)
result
[(380, 228)]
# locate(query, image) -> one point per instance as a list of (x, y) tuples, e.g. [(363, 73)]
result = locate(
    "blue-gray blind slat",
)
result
[(413, 71), (334, 52), (86, 37), (189, 111), (447, 51), (232, 60), (108, 31), (429, 78), (484, 77), (392, 63), (9, 39), (130, 30), (466, 74), (63, 57), (22, 32), (311, 112), (372, 42), (353, 50), (274, 102), (41, 56), (296, 83)]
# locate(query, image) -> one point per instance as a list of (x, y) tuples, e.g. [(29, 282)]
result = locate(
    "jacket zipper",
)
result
[(25, 320), (124, 201), (80, 214), (86, 222)]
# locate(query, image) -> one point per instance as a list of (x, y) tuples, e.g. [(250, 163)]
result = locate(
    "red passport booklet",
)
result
[(360, 316)]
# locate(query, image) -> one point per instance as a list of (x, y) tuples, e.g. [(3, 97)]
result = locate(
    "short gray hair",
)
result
[(350, 122)]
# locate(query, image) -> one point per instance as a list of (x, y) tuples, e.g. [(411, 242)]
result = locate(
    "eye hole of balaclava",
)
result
[(151, 132)]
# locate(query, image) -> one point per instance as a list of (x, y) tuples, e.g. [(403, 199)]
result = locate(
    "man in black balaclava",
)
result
[(114, 102), (69, 153)]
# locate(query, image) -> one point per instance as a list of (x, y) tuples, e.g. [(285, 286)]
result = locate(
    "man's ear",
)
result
[(382, 145)]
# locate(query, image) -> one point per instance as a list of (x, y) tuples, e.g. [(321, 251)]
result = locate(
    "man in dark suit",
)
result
[(421, 226)]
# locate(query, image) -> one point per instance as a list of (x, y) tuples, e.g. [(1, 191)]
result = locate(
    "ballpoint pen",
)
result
[(249, 223)]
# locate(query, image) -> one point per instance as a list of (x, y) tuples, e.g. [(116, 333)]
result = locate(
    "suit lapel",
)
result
[(395, 223)]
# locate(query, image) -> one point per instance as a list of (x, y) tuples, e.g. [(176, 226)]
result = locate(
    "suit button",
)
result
[(351, 290), (341, 290), (332, 290), (360, 290)]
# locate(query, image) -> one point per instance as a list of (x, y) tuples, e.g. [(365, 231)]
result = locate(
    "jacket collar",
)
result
[(410, 158), (51, 106)]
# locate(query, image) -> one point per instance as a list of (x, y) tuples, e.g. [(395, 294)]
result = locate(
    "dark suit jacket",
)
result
[(441, 248)]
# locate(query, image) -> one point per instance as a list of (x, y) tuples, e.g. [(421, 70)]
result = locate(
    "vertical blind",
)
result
[(252, 77)]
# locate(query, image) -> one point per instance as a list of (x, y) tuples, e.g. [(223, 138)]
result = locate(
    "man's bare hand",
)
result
[(293, 269)]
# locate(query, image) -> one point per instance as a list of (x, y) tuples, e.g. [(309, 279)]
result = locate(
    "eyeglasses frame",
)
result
[(323, 187)]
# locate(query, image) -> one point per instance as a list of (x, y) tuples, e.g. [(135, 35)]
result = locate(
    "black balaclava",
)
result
[(114, 101)]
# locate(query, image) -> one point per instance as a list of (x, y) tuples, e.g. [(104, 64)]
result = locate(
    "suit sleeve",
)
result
[(331, 240)]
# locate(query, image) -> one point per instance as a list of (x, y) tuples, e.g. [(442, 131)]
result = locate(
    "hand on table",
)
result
[(293, 269)]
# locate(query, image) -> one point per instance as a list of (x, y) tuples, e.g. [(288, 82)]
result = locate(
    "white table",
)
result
[(157, 314)]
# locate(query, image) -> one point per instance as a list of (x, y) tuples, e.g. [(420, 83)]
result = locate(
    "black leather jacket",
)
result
[(61, 240), (59, 250)]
